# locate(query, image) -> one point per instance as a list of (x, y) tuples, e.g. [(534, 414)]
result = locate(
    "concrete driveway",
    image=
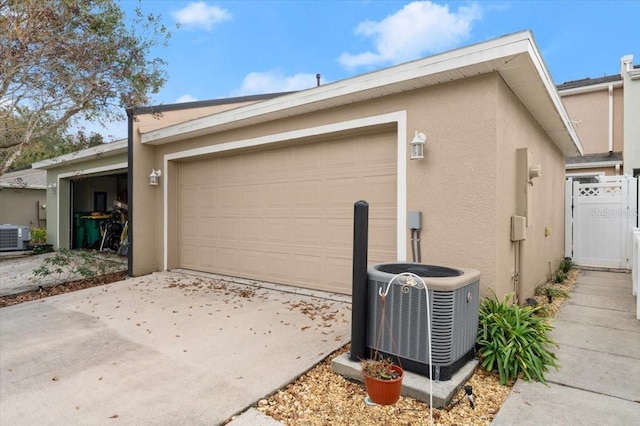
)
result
[(163, 349)]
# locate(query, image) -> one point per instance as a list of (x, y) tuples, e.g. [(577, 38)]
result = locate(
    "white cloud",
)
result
[(201, 15), (274, 81), (185, 98), (418, 28)]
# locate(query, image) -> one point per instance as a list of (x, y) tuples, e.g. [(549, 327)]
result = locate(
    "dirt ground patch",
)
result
[(27, 296)]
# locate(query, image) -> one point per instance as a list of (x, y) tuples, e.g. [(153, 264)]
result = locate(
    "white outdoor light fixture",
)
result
[(154, 177), (51, 188), (417, 146)]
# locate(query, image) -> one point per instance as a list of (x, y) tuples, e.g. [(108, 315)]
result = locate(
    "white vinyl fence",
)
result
[(635, 267)]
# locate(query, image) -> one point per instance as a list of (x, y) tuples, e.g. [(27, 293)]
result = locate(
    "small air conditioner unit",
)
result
[(14, 237), (454, 304)]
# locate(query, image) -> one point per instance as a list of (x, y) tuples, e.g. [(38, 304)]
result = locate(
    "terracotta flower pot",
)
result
[(384, 392)]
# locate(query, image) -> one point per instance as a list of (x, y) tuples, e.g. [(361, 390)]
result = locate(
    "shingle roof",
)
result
[(588, 82), (26, 178)]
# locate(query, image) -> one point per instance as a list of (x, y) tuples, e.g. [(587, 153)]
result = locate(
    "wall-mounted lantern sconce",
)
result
[(417, 146), (51, 188), (154, 177)]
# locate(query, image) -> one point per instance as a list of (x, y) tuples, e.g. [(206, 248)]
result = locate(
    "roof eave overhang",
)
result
[(593, 88), (515, 57), (593, 164), (100, 151)]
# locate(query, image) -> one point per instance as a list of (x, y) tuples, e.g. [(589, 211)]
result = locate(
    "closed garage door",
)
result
[(285, 215)]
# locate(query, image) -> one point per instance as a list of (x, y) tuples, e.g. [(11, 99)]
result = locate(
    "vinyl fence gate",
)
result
[(599, 219)]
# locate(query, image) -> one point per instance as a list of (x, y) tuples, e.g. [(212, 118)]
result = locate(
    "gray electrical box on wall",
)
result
[(518, 228), (414, 219)]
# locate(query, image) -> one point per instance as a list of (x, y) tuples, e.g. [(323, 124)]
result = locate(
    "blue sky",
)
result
[(233, 48)]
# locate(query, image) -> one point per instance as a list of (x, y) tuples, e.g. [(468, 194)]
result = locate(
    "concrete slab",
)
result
[(597, 372), (597, 338), (534, 404), (619, 319), (161, 349), (617, 303), (414, 385), (253, 417), (622, 290)]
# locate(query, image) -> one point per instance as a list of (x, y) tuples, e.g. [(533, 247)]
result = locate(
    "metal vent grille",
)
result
[(454, 317), (13, 237)]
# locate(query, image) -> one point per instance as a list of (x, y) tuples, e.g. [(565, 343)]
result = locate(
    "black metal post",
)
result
[(360, 281)]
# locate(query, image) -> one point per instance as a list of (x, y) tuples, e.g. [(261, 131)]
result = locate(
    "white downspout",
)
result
[(610, 118)]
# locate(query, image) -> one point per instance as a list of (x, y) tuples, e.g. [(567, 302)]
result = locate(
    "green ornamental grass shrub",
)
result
[(514, 341)]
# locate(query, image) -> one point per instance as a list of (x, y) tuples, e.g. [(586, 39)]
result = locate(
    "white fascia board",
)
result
[(18, 186), (104, 150), (541, 67), (589, 89), (502, 47), (593, 165)]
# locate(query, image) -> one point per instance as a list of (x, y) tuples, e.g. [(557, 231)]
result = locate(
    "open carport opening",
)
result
[(99, 212)]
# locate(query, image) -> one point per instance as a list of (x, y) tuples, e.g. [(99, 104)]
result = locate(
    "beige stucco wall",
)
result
[(538, 252), (462, 187), (590, 115), (19, 206)]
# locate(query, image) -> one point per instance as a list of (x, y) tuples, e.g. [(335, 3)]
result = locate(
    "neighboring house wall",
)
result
[(631, 77), (589, 112), (21, 206), (23, 195)]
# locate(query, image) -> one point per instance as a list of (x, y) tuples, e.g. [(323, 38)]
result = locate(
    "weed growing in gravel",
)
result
[(67, 264)]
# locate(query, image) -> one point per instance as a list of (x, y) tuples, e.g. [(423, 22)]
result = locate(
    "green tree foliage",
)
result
[(64, 59), (50, 145)]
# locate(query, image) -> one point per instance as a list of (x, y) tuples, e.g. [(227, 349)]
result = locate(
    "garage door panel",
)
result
[(190, 201), (189, 228), (308, 232), (229, 228), (343, 155), (309, 158), (208, 198), (341, 191), (229, 169), (337, 271), (253, 196), (339, 232), (308, 194), (277, 195), (251, 262), (278, 163), (306, 268), (208, 257), (228, 259), (230, 197), (276, 266), (208, 228), (252, 229), (253, 167), (191, 175), (286, 214), (276, 230)]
